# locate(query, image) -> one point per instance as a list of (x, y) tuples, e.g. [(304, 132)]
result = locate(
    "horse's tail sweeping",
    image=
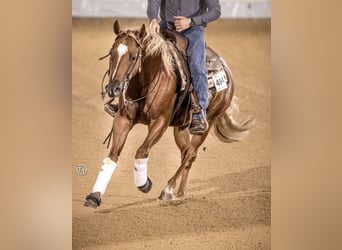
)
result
[(226, 127)]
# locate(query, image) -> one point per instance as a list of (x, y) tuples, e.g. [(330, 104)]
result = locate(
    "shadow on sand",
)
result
[(244, 200)]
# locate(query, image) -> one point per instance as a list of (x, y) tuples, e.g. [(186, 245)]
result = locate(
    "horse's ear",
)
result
[(142, 32), (116, 27)]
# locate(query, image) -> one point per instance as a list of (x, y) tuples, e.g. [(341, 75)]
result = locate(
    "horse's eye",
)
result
[(133, 58)]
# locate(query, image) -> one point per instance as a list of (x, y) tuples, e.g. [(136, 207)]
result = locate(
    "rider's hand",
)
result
[(182, 23), (154, 25)]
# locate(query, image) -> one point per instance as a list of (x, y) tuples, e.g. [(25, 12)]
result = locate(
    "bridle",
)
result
[(131, 72)]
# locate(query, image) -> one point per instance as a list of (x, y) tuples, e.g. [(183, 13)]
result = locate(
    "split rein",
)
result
[(127, 79)]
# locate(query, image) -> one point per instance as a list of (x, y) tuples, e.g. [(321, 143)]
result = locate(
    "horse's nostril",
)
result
[(117, 91)]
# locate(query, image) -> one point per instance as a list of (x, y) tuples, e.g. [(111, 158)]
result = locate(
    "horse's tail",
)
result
[(227, 129)]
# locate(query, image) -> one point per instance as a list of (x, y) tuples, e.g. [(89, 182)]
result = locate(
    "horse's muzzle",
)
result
[(113, 90)]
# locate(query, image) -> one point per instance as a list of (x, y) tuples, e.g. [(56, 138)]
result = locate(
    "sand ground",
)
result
[(228, 200)]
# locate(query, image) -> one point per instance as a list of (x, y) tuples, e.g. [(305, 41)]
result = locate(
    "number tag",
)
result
[(220, 81)]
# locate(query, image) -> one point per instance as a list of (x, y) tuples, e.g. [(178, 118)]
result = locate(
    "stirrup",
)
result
[(199, 126)]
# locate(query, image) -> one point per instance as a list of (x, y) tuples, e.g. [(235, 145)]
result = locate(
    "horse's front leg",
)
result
[(121, 126), (156, 129)]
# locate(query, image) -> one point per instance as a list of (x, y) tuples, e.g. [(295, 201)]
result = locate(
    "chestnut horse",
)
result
[(142, 75)]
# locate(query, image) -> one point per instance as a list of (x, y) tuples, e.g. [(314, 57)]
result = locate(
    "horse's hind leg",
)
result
[(195, 143), (189, 154), (121, 127), (156, 129), (182, 138)]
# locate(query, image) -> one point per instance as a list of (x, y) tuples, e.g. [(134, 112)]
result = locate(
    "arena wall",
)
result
[(137, 8)]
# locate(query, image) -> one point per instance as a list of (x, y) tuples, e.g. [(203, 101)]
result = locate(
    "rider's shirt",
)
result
[(200, 11)]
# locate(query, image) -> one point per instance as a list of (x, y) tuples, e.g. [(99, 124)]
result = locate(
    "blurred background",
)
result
[(137, 8)]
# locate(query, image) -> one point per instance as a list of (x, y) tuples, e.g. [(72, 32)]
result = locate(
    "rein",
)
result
[(127, 79), (126, 102)]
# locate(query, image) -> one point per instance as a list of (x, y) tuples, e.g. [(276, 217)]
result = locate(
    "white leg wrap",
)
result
[(140, 172), (104, 176)]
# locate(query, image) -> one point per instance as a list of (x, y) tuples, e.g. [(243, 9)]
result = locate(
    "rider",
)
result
[(190, 18)]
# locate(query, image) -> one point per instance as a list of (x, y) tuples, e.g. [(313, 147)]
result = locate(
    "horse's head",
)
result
[(125, 58)]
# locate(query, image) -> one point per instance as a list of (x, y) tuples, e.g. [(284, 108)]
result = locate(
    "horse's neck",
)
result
[(151, 67)]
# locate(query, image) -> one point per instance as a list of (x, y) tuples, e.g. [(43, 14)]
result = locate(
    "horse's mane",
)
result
[(154, 45)]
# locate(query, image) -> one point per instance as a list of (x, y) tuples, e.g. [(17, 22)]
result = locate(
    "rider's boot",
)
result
[(199, 123)]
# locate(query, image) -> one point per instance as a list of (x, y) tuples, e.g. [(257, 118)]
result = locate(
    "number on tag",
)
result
[(220, 81)]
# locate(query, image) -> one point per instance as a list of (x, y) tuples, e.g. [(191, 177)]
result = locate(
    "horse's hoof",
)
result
[(90, 203), (180, 194), (167, 195), (147, 187), (92, 200)]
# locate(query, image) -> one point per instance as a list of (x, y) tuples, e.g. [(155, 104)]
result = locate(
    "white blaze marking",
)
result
[(122, 49)]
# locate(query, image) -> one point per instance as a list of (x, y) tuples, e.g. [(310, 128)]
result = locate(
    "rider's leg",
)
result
[(196, 54)]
